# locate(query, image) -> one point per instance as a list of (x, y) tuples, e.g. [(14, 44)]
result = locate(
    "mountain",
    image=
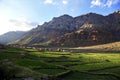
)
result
[(84, 30), (11, 36), (58, 26), (93, 29)]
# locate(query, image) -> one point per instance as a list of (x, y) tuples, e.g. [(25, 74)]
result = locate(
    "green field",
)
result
[(29, 63)]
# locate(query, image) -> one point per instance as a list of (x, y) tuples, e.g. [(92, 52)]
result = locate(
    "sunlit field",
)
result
[(59, 65)]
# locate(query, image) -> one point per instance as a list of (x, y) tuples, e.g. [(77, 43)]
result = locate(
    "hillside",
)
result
[(11, 36), (96, 30), (58, 26), (110, 47), (84, 30)]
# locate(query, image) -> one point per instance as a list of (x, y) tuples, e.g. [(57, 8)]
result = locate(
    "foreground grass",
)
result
[(64, 65)]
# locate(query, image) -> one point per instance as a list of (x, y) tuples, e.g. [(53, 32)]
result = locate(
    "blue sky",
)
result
[(26, 14)]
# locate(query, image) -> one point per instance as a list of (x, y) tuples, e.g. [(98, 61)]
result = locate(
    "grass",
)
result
[(53, 71), (94, 66), (10, 53), (84, 76), (115, 70), (34, 63), (58, 63)]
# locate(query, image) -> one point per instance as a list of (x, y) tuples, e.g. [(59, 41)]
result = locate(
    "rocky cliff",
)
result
[(84, 30)]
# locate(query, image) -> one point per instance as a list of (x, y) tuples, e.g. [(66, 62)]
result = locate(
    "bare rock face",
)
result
[(84, 30), (92, 29), (49, 30)]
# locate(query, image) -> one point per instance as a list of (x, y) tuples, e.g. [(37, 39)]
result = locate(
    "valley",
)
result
[(59, 39), (23, 63), (86, 47)]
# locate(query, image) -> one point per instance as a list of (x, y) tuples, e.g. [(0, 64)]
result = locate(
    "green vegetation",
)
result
[(30, 63)]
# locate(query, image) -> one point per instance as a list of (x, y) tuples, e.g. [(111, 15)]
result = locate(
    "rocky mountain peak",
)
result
[(63, 17), (118, 11), (66, 16), (84, 30)]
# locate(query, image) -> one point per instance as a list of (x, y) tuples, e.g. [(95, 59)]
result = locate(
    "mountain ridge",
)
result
[(11, 36), (85, 30)]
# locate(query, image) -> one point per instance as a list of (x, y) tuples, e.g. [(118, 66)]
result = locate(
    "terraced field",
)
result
[(30, 63)]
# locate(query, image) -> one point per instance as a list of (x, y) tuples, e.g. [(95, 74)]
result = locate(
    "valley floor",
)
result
[(25, 64)]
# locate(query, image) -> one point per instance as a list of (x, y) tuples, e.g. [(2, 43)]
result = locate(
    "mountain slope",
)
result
[(49, 30), (84, 30), (95, 29), (11, 36), (109, 46)]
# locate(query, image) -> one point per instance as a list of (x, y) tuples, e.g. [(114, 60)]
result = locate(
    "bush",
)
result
[(7, 71)]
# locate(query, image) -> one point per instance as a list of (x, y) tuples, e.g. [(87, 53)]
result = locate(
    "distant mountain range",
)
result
[(11, 36), (68, 31)]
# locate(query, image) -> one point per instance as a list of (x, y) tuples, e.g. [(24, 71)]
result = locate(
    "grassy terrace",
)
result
[(59, 65)]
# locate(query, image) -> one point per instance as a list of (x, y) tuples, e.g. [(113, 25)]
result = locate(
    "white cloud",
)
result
[(59, 4), (109, 3), (104, 3), (21, 24), (48, 1), (52, 2), (95, 3), (56, 2), (65, 2)]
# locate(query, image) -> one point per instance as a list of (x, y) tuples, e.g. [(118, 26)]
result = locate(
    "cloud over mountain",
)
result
[(20, 24), (104, 3)]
